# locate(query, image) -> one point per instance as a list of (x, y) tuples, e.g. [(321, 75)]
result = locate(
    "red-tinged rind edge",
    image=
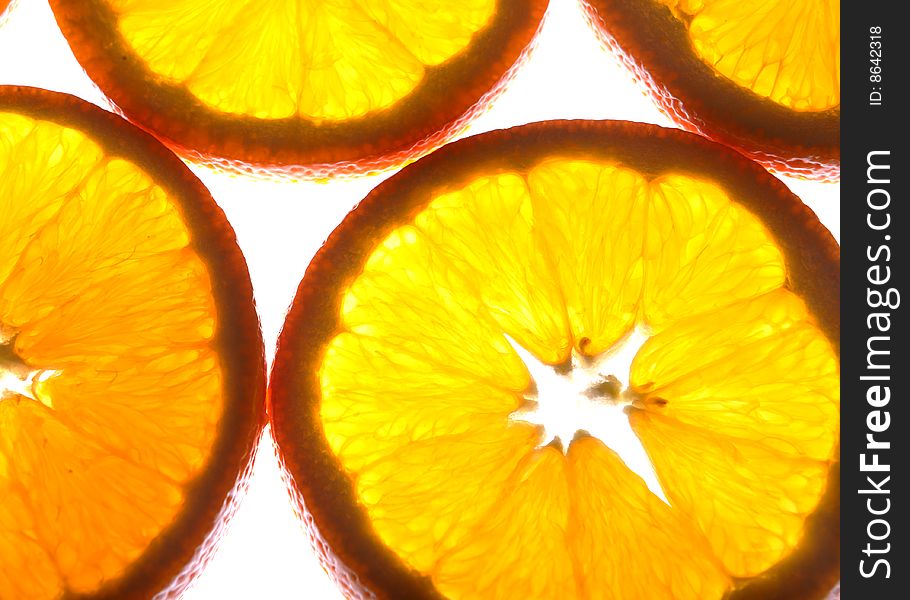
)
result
[(6, 7), (655, 47), (447, 99), (171, 562), (325, 494)]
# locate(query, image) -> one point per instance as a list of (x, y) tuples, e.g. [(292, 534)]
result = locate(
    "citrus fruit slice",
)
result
[(301, 86), (132, 377), (457, 367), (763, 77)]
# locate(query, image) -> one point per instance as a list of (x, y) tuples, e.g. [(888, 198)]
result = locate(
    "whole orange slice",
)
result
[(457, 368), (763, 77), (302, 86), (132, 377)]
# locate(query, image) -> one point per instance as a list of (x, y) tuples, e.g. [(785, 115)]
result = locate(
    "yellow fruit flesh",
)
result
[(332, 60), (420, 388), (783, 50), (112, 389)]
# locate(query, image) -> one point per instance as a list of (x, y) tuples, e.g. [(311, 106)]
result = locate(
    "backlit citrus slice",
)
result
[(302, 86), (456, 373), (131, 364), (762, 76)]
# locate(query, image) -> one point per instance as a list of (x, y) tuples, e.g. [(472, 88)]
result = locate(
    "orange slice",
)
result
[(132, 375), (303, 87), (456, 372), (763, 77)]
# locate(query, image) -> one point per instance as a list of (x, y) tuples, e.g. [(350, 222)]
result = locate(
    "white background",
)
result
[(280, 225)]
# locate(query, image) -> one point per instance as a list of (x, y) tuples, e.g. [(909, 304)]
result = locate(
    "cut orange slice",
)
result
[(132, 377), (456, 373), (303, 86), (763, 77)]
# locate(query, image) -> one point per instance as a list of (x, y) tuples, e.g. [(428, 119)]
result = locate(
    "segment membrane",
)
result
[(99, 285)]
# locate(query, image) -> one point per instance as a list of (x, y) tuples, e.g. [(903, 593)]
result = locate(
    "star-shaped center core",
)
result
[(588, 396), (17, 379)]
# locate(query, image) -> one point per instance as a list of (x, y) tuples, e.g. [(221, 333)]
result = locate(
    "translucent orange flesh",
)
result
[(320, 60), (736, 388), (110, 390), (783, 50)]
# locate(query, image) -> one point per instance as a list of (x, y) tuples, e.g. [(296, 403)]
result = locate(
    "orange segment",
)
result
[(303, 87), (30, 561), (23, 220), (82, 471), (358, 407), (786, 51), (120, 387), (702, 251), (492, 287), (601, 296), (338, 61), (507, 272), (400, 291), (524, 517), (768, 376), (428, 30), (66, 264), (421, 473), (158, 32), (628, 542), (754, 405), (751, 502)]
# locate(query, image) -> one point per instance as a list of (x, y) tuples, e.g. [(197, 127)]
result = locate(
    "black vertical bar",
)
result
[(875, 422)]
